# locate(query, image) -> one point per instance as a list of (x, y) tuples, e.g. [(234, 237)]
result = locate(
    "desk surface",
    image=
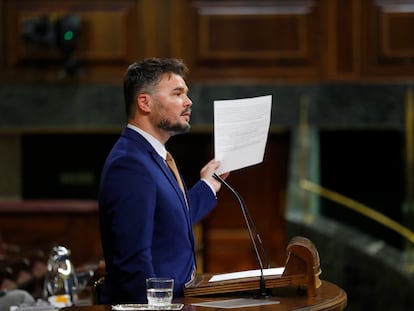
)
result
[(329, 297)]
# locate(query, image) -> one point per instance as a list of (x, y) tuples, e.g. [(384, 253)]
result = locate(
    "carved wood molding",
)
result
[(397, 28), (242, 30), (387, 32)]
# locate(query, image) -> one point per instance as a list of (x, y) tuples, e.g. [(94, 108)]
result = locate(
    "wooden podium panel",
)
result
[(302, 271), (328, 297)]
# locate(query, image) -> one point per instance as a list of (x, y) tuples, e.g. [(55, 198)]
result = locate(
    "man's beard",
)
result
[(174, 129)]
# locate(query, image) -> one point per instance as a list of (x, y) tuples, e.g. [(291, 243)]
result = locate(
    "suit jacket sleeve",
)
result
[(202, 200)]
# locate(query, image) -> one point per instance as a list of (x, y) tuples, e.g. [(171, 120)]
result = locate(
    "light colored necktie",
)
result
[(173, 167)]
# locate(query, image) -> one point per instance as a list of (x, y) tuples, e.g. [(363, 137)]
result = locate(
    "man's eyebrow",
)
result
[(181, 89)]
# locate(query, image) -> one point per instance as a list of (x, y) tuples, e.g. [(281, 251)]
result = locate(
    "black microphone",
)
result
[(249, 224)]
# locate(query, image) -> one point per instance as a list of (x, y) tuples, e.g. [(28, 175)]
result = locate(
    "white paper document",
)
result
[(241, 128), (246, 274)]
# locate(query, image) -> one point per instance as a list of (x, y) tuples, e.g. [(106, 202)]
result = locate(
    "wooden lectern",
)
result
[(302, 270)]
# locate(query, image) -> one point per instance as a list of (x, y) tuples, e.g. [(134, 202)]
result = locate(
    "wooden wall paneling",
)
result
[(180, 30), (396, 43), (221, 38), (106, 42), (227, 246), (387, 45), (43, 224), (157, 27), (147, 24), (106, 38), (342, 39), (264, 39)]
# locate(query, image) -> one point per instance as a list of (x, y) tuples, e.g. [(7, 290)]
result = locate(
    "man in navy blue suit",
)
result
[(146, 220)]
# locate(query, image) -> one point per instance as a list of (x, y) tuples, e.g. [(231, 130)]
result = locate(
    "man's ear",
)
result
[(143, 102)]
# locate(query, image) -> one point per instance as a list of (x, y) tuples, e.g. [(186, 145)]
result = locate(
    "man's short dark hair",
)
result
[(141, 76)]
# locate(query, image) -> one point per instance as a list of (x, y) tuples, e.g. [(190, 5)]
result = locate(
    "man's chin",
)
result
[(180, 130), (185, 129)]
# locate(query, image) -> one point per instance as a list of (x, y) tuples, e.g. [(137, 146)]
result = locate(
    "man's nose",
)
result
[(189, 102)]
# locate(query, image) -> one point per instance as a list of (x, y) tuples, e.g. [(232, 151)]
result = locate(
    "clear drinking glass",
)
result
[(160, 292)]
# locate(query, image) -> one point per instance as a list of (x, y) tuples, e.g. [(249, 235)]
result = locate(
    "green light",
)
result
[(68, 35)]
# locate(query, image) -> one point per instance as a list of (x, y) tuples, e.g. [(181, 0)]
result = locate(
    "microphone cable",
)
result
[(249, 224)]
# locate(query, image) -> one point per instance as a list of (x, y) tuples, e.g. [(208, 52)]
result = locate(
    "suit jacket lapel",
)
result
[(161, 163)]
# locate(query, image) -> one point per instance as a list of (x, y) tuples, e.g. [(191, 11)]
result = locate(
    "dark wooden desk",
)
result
[(329, 297)]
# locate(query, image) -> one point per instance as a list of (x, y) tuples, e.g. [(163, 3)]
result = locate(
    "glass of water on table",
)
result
[(160, 292)]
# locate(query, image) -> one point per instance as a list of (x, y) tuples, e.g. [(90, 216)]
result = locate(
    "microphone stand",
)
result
[(249, 223)]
